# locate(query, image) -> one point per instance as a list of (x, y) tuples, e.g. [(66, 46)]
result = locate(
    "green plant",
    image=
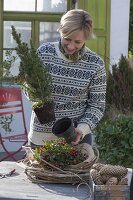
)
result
[(5, 122), (7, 64), (58, 153), (120, 86), (33, 75), (114, 138)]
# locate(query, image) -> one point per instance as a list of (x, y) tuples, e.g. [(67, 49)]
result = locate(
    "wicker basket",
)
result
[(73, 174)]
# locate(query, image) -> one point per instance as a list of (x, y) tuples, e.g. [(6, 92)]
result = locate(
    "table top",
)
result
[(19, 187)]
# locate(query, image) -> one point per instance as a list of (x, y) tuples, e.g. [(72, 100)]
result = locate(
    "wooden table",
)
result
[(19, 187)]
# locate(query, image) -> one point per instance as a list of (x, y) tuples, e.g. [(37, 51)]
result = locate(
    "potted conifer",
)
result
[(34, 78)]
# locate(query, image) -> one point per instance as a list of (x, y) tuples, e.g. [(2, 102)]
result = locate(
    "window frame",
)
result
[(34, 17)]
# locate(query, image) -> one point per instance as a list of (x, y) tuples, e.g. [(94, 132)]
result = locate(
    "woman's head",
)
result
[(74, 21)]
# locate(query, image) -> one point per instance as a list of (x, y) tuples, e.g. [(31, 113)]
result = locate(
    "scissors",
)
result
[(7, 174)]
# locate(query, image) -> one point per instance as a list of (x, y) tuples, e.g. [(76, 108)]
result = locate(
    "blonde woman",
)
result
[(79, 79)]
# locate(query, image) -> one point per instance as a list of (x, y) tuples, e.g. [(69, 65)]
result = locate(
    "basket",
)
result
[(72, 174)]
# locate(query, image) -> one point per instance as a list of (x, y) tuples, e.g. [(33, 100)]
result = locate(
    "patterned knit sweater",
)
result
[(79, 90)]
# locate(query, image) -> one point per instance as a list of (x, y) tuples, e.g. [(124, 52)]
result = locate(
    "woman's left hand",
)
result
[(78, 138)]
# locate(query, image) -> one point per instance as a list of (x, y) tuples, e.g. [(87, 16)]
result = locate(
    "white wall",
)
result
[(27, 110), (119, 29)]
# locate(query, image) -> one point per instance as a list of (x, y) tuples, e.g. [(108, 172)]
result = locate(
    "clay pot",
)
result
[(45, 113), (64, 128)]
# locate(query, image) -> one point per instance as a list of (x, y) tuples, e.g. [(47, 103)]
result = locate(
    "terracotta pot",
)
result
[(45, 113), (64, 128)]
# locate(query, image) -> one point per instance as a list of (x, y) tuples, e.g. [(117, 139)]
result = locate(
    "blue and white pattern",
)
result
[(79, 88)]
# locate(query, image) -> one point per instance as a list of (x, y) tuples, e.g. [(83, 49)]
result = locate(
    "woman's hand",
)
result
[(78, 138)]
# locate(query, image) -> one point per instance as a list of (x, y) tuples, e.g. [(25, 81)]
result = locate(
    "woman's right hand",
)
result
[(78, 138)]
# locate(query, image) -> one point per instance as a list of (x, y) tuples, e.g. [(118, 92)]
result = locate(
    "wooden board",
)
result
[(19, 187)]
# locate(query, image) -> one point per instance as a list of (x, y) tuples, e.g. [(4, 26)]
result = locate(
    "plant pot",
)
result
[(64, 128), (45, 113)]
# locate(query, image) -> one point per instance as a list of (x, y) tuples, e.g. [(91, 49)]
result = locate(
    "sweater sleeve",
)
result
[(96, 102)]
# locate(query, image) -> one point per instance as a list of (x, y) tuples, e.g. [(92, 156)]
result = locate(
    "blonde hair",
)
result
[(76, 20)]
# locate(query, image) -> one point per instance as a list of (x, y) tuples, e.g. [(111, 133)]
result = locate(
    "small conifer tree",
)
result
[(120, 86), (33, 75)]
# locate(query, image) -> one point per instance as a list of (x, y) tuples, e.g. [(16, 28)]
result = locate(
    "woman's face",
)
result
[(73, 43)]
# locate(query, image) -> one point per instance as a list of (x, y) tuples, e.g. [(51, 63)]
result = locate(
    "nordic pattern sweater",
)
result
[(79, 91)]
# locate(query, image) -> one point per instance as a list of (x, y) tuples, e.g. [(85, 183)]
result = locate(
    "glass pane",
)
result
[(24, 28), (19, 5), (48, 32), (52, 5)]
